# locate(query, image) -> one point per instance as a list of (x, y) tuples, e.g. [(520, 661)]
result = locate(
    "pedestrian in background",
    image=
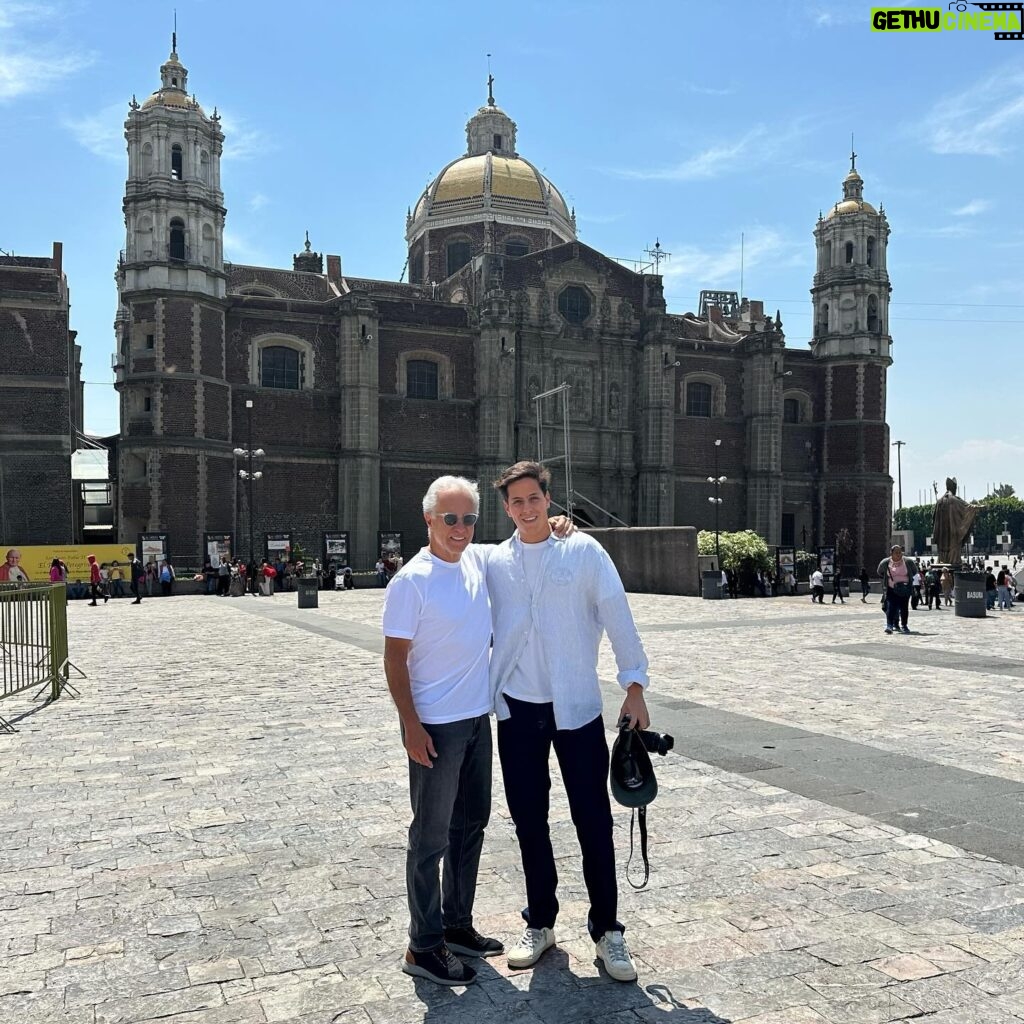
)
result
[(136, 577), (837, 587), (946, 583), (116, 576), (166, 578), (95, 581), (865, 584), (817, 587), (897, 574)]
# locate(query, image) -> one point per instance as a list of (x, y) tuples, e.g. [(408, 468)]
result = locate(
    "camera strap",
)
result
[(641, 813)]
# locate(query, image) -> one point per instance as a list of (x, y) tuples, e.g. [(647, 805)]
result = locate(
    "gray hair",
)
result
[(444, 484)]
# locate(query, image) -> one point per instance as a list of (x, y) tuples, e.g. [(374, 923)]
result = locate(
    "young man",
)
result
[(437, 630), (817, 586), (136, 577), (551, 600)]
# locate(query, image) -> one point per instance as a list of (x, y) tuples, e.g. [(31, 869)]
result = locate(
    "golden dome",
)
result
[(850, 206), (498, 183), (172, 98)]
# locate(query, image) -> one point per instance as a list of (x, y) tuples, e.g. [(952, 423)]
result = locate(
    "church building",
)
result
[(359, 392)]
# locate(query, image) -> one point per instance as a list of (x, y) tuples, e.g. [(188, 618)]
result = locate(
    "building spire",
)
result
[(490, 83), (853, 155), (174, 34)]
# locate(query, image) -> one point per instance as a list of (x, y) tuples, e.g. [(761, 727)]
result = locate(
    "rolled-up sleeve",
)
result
[(615, 615)]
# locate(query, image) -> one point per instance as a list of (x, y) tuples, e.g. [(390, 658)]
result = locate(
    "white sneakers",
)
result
[(531, 947), (611, 949), (617, 961)]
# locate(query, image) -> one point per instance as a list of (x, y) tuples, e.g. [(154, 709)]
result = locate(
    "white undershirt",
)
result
[(530, 680)]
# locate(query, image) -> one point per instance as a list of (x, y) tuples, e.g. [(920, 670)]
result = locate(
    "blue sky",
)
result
[(688, 122)]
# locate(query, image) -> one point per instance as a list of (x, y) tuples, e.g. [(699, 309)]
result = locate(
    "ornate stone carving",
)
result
[(626, 314)]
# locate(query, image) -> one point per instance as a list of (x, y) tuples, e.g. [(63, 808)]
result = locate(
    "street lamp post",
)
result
[(716, 500), (898, 445), (249, 475)]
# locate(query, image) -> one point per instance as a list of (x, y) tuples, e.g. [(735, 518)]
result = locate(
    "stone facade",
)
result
[(40, 402), (363, 391)]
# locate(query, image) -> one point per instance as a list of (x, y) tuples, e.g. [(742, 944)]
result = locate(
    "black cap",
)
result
[(632, 775)]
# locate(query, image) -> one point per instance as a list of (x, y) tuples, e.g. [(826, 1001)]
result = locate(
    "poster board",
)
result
[(33, 561), (827, 562), (336, 550), (389, 543), (218, 547), (153, 547), (278, 547)]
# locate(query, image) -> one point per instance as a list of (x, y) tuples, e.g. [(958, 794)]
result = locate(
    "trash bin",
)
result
[(309, 595), (711, 584), (969, 594)]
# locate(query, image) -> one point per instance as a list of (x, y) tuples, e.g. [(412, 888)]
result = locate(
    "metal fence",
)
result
[(33, 640)]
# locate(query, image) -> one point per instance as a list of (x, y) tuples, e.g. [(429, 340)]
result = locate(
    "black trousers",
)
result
[(524, 747), (136, 593)]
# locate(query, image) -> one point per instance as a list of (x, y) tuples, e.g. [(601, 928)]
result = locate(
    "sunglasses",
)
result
[(450, 518)]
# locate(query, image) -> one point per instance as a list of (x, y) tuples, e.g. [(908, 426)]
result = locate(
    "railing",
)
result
[(33, 640)]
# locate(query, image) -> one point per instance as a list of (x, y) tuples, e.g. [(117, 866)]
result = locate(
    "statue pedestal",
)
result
[(969, 594)]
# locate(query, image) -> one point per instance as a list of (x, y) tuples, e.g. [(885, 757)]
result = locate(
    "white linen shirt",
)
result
[(578, 597)]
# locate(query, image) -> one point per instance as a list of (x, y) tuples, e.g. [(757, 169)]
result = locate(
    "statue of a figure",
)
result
[(951, 527)]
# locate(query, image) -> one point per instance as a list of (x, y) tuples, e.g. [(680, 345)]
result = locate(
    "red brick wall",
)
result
[(300, 497), (460, 350), (216, 399), (179, 475), (287, 419), (421, 428), (874, 392), (844, 392), (178, 335), (37, 497), (211, 341), (220, 495), (34, 411), (178, 407), (843, 447)]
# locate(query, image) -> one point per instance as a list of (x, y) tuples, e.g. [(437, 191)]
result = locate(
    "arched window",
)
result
[(849, 252), (699, 397), (176, 162), (702, 394), (209, 256), (873, 313), (146, 167), (828, 255), (574, 304), (516, 247), (204, 167), (822, 327), (421, 379), (280, 367), (459, 254), (796, 407), (871, 250), (176, 244)]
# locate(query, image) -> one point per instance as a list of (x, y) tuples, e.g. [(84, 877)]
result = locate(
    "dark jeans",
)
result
[(896, 609), (451, 804), (135, 588), (118, 588), (865, 589), (524, 746), (935, 594), (818, 594)]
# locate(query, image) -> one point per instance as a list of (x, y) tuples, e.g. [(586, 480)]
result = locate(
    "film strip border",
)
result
[(1018, 7)]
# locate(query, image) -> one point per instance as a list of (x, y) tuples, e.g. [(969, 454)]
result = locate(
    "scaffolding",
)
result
[(572, 496)]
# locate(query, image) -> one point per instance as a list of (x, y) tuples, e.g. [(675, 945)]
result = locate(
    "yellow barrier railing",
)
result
[(33, 640)]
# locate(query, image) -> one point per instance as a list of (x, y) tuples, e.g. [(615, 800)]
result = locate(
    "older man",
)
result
[(437, 629)]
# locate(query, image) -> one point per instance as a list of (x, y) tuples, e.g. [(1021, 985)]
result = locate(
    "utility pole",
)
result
[(898, 445), (716, 500), (250, 476)]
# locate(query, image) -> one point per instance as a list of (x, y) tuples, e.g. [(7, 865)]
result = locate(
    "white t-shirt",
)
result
[(442, 607), (817, 579), (530, 680)]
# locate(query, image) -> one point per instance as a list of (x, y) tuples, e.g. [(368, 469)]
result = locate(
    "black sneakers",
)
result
[(469, 942), (440, 965)]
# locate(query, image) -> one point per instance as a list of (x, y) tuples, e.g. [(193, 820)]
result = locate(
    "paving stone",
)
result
[(218, 849)]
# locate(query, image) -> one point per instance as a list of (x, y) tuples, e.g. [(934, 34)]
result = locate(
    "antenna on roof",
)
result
[(741, 266), (174, 34)]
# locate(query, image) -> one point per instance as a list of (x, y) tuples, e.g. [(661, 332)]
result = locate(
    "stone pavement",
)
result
[(214, 832)]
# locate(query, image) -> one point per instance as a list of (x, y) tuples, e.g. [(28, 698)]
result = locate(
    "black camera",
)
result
[(654, 742)]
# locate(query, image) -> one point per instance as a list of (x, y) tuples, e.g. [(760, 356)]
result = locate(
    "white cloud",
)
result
[(692, 268), (709, 163), (257, 201), (973, 208), (709, 90), (30, 66), (101, 133), (983, 120), (240, 141), (238, 249)]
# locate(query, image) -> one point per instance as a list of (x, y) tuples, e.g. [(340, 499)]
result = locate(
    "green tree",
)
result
[(739, 550), (918, 518), (994, 512), (1003, 491)]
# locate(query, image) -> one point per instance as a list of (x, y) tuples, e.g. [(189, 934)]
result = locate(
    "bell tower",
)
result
[(175, 455), (851, 341)]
